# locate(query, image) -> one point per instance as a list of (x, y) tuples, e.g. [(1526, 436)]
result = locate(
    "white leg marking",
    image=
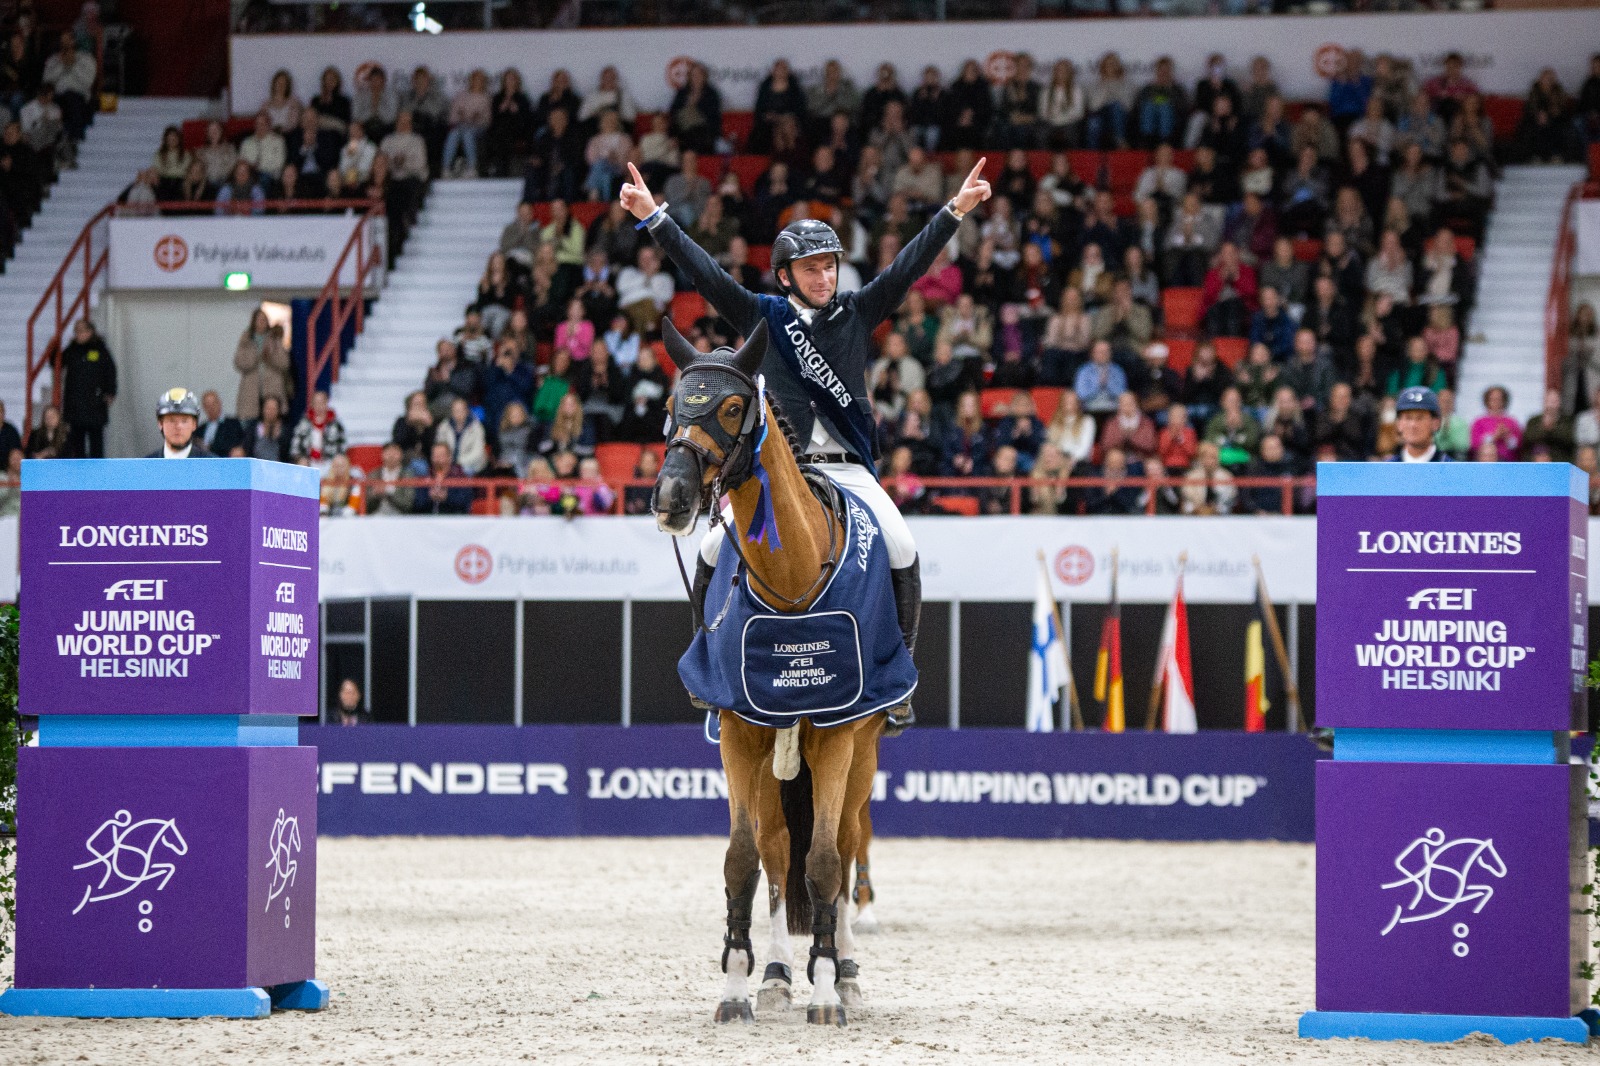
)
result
[(782, 949), (737, 988), (866, 920), (822, 991)]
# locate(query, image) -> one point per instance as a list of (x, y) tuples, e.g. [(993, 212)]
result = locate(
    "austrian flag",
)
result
[(1176, 676)]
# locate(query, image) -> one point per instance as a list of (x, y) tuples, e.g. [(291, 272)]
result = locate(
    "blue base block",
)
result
[(1438, 1028), (163, 1002), (299, 995)]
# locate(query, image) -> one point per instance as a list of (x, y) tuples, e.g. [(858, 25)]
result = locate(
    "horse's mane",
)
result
[(784, 426)]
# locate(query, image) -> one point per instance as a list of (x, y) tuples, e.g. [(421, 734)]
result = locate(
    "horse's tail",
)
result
[(798, 814)]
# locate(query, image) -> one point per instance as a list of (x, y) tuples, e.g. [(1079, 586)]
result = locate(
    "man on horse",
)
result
[(816, 365)]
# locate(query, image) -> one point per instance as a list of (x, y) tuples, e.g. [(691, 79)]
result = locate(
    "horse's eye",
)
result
[(736, 410)]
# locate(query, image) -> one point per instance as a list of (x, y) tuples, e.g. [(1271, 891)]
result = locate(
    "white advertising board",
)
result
[(195, 252), (1504, 51)]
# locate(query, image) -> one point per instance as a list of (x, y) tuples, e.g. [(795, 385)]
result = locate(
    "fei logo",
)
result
[(284, 844), (125, 850), (285, 592), (474, 564), (143, 589), (1441, 599), (1438, 870)]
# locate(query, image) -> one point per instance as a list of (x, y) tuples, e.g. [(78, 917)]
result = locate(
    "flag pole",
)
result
[(1161, 658), (1279, 650), (1076, 709)]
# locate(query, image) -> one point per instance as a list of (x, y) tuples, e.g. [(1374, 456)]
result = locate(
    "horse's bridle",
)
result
[(734, 465), (737, 452)]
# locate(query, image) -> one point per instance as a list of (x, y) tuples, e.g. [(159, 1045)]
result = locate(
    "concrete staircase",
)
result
[(433, 281), (1513, 283), (116, 147)]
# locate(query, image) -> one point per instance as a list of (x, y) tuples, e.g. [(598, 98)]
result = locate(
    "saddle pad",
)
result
[(841, 660)]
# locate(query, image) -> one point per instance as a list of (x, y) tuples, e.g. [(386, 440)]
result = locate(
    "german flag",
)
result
[(1255, 679), (1108, 662)]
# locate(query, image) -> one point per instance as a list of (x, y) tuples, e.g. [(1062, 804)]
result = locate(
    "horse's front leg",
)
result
[(854, 828), (828, 752), (772, 840), (742, 760)]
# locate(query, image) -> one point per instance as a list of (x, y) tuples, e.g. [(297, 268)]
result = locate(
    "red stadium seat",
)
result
[(1086, 165), (1183, 160), (1231, 350), (663, 358), (963, 505), (1123, 168), (1466, 248), (484, 503), (710, 168), (761, 256), (1045, 401), (736, 126), (586, 211), (365, 457), (1594, 161), (1180, 353), (1504, 114), (748, 169), (617, 460), (1180, 307), (1039, 164), (687, 309), (1307, 249), (996, 402)]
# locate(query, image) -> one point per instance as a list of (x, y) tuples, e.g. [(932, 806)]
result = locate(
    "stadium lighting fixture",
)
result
[(421, 22)]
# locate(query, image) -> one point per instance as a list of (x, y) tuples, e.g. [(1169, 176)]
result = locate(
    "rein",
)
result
[(734, 455)]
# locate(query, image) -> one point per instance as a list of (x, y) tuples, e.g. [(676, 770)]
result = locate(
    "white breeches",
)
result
[(859, 480)]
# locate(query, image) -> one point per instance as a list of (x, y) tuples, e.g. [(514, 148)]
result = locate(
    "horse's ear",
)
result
[(679, 350), (748, 358)]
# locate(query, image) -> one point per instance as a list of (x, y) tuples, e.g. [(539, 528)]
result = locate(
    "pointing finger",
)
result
[(637, 180), (977, 171)]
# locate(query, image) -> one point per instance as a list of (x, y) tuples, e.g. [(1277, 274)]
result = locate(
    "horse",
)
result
[(795, 795)]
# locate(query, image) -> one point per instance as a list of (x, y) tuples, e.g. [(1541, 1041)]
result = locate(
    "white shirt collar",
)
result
[(168, 453), (1425, 457), (806, 313)]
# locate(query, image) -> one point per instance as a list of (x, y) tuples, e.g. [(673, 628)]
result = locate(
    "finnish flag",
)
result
[(1047, 662)]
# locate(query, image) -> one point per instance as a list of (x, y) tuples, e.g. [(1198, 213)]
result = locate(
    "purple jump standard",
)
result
[(1452, 647), (167, 821)]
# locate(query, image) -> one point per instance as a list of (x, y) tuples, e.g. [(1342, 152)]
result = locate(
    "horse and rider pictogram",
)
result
[(1439, 870), (125, 852)]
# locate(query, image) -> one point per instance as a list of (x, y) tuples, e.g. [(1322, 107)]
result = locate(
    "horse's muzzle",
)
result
[(678, 493)]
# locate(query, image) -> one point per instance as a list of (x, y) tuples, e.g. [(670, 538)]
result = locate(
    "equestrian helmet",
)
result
[(803, 239), (178, 401), (1417, 398)]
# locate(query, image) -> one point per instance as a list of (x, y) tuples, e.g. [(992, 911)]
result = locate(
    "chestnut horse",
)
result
[(804, 830)]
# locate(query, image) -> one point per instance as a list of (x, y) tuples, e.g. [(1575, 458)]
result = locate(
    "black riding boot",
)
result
[(907, 583)]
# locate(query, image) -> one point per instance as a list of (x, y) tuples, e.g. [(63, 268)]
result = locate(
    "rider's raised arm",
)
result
[(732, 301), (882, 296)]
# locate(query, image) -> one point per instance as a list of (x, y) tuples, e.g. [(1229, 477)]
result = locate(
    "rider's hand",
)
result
[(973, 191), (636, 198)]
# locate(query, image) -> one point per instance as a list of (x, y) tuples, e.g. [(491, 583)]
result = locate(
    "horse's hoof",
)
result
[(774, 996), (849, 990), (735, 1010), (825, 1014)]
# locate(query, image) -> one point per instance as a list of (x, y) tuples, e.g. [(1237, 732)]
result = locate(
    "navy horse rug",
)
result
[(842, 659)]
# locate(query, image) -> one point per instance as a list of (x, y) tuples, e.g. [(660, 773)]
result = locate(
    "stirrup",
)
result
[(898, 719)]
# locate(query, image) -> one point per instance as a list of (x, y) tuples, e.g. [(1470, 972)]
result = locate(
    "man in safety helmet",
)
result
[(178, 412), (817, 361), (1417, 420)]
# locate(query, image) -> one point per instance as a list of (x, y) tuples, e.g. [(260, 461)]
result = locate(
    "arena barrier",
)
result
[(667, 781)]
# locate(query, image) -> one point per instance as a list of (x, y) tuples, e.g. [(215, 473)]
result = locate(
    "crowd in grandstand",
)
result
[(1187, 282)]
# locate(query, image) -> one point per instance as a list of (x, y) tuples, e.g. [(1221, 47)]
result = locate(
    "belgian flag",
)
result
[(1108, 662), (1255, 678)]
